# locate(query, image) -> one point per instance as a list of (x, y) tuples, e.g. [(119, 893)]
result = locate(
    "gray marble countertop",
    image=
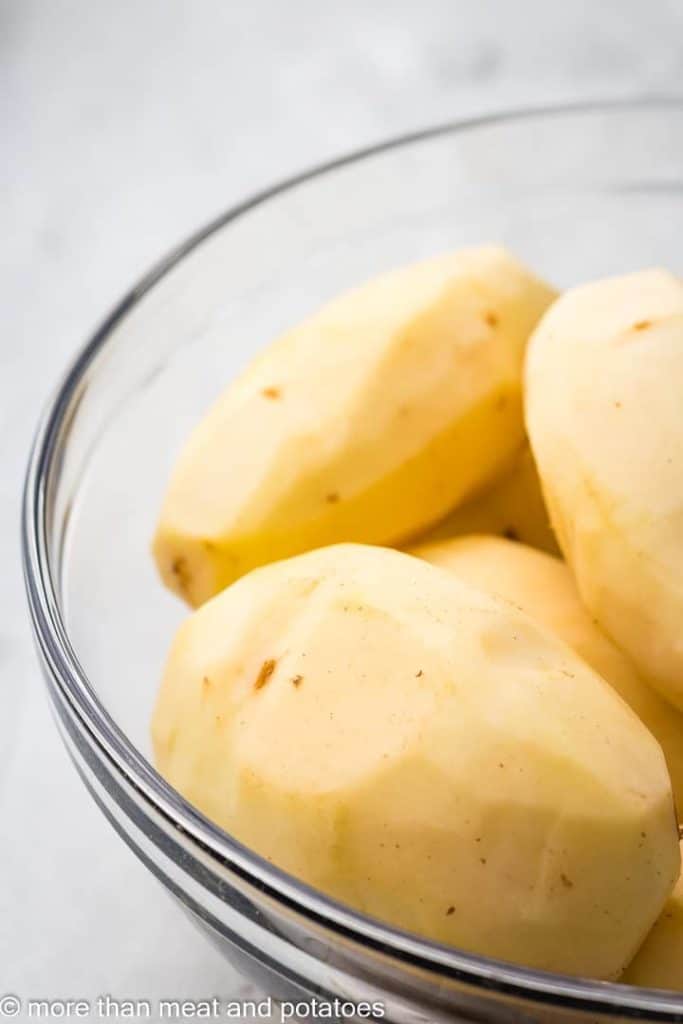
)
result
[(125, 126)]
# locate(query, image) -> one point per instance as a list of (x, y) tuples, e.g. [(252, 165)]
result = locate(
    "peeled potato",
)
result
[(543, 587), (604, 406), (512, 506), (659, 963), (426, 753), (367, 422)]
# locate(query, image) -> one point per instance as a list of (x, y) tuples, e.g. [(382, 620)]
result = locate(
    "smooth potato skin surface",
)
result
[(604, 411), (659, 962), (424, 752), (367, 422), (543, 587), (511, 506)]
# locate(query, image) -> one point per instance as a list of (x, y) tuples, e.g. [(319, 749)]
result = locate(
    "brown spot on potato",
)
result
[(418, 674), (566, 882), (297, 680), (642, 325), (510, 533), (332, 498), (265, 672), (450, 911), (180, 570), (491, 319), (272, 393)]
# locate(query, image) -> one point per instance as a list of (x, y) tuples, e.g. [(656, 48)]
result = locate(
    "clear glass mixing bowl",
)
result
[(576, 193)]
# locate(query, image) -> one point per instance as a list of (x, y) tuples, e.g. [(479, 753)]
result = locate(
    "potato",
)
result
[(367, 422), (604, 406), (512, 506), (659, 963), (543, 587), (424, 752)]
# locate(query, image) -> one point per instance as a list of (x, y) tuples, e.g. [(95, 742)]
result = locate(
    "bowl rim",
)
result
[(121, 755)]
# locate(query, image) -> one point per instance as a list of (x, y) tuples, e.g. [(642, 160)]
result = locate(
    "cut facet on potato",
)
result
[(426, 753), (659, 963), (512, 506), (604, 408), (367, 422), (544, 588)]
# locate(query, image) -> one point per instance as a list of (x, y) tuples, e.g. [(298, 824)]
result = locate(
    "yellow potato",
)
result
[(659, 963), (604, 406), (367, 422), (512, 506), (424, 752), (543, 587)]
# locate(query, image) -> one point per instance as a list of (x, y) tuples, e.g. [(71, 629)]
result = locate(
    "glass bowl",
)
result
[(576, 192)]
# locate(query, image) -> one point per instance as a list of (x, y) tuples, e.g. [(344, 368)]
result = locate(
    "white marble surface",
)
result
[(124, 126)]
